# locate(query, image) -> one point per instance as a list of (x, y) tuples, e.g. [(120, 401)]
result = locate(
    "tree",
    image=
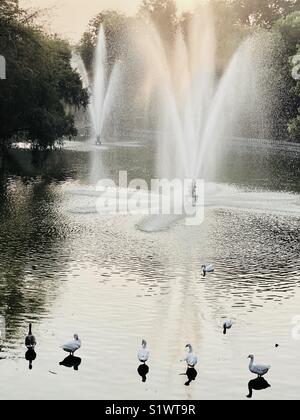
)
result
[(289, 27), (163, 13), (262, 12), (115, 25), (41, 87)]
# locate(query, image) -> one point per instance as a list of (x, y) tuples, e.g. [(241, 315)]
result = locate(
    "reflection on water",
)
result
[(71, 362), (143, 371), (96, 274), (30, 356), (257, 384), (191, 374)]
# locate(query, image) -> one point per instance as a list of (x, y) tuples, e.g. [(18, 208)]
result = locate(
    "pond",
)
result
[(68, 269)]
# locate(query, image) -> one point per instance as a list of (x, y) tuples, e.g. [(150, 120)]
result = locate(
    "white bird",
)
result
[(208, 269), (259, 370), (191, 359), (143, 354), (30, 341), (227, 326), (72, 346)]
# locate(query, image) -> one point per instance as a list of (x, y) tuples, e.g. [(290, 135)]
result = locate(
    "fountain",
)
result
[(197, 108), (99, 86), (102, 86)]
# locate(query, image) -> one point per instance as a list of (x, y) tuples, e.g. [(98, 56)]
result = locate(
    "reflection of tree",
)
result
[(259, 165), (56, 165), (31, 238)]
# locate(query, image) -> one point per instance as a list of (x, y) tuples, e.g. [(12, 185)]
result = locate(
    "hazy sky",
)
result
[(70, 17)]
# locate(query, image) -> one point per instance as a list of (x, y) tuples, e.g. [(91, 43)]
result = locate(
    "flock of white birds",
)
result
[(191, 358)]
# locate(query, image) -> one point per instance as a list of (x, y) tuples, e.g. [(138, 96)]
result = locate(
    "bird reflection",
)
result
[(192, 374), (30, 356), (257, 384), (143, 371), (71, 362)]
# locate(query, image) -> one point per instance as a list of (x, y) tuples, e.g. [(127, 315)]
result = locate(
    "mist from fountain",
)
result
[(198, 109), (195, 108)]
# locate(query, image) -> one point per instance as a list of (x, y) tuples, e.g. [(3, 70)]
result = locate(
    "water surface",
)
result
[(69, 269)]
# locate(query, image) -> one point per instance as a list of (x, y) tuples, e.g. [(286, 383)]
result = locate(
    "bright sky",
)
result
[(70, 17)]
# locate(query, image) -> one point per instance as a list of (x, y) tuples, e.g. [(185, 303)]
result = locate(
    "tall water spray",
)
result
[(197, 108), (99, 85), (102, 85)]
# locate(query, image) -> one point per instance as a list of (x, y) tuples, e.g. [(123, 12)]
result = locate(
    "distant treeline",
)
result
[(42, 91), (234, 20)]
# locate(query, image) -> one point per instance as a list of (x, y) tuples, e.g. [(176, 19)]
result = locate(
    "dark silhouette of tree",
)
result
[(115, 25), (41, 88)]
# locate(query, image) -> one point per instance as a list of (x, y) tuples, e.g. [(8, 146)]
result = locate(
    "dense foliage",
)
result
[(41, 88), (289, 27)]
